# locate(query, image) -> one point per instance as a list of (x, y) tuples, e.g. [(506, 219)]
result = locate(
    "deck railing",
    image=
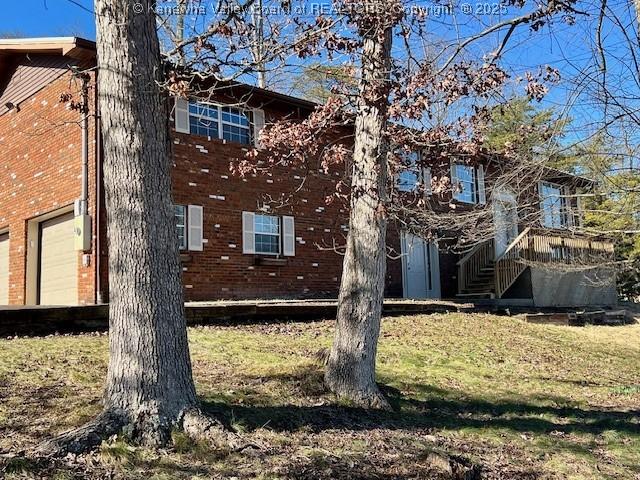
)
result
[(541, 247), (531, 247), (509, 265), (469, 267)]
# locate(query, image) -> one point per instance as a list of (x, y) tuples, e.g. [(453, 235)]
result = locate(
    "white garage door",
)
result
[(4, 269), (58, 262)]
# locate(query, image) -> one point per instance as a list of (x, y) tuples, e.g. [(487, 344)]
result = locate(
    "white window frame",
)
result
[(412, 169), (278, 235), (205, 117), (185, 242), (248, 113), (422, 176), (459, 194), (562, 210), (479, 196)]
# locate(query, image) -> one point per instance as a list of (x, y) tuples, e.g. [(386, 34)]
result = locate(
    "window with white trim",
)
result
[(204, 119), (236, 126), (219, 121), (467, 182), (181, 225), (267, 234), (553, 205), (466, 189), (409, 177)]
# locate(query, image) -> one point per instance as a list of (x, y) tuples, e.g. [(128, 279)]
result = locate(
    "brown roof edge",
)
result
[(74, 47)]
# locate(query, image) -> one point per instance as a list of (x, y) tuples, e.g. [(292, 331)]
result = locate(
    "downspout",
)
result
[(84, 193), (98, 217)]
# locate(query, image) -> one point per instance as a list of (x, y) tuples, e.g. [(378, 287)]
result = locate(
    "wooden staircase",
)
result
[(476, 272), (481, 275)]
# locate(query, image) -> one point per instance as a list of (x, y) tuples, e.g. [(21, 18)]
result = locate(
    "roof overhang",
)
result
[(72, 47)]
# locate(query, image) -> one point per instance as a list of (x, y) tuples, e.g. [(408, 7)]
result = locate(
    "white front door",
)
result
[(505, 217), (420, 267)]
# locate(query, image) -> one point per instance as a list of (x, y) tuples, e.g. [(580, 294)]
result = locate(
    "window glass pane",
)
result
[(236, 134), (180, 215), (267, 243), (553, 206), (267, 224), (235, 116), (204, 127), (203, 119), (408, 178), (267, 234), (466, 188)]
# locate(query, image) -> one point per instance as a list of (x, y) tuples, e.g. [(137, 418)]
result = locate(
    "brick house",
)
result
[(53, 225)]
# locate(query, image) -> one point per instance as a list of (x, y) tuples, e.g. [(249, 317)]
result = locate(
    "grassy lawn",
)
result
[(520, 401)]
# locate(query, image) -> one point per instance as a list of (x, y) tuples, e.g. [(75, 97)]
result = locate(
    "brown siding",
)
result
[(29, 75)]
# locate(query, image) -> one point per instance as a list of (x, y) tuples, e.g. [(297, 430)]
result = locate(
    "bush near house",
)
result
[(511, 399)]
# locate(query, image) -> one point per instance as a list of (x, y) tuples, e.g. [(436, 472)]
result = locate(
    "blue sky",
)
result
[(53, 18), (563, 46)]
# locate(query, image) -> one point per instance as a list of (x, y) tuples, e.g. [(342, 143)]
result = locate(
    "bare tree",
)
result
[(149, 389)]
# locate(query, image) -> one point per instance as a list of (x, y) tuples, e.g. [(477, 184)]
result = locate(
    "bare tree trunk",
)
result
[(182, 12), (258, 42), (351, 365), (149, 379)]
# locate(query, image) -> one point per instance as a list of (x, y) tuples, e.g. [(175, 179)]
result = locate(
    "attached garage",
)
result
[(4, 269), (58, 268)]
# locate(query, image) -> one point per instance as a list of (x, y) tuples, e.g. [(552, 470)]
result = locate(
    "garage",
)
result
[(4, 269), (58, 272)]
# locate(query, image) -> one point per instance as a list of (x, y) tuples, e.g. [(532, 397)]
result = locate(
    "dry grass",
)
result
[(521, 401)]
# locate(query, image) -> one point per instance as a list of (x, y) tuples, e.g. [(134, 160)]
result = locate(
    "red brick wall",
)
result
[(202, 177), (40, 173), (40, 152)]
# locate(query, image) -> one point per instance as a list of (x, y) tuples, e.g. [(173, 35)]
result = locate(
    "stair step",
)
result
[(476, 295)]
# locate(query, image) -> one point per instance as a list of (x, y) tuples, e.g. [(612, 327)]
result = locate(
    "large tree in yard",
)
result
[(149, 389), (409, 99)]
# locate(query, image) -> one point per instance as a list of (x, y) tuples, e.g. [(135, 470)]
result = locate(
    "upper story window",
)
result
[(236, 126), (218, 121), (468, 183), (409, 178), (553, 205), (204, 119)]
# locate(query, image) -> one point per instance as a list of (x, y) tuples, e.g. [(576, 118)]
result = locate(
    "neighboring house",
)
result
[(53, 247)]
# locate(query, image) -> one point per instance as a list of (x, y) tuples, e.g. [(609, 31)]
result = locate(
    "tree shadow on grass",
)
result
[(439, 411)]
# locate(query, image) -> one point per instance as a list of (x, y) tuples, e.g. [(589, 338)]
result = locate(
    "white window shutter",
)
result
[(454, 180), (288, 237), (181, 115), (248, 233), (426, 179), (195, 221), (482, 195), (258, 125)]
